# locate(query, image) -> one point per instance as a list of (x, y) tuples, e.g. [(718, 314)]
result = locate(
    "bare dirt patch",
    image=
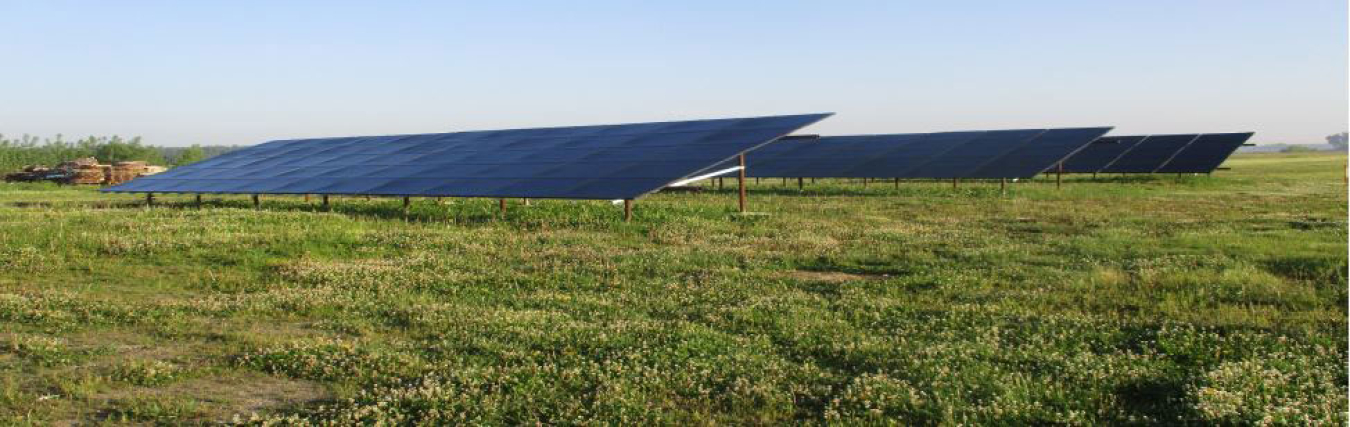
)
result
[(828, 276), (222, 397)]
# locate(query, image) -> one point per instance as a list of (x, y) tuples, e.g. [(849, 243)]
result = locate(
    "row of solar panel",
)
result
[(617, 161), (967, 155), (583, 162), (992, 154), (1194, 153)]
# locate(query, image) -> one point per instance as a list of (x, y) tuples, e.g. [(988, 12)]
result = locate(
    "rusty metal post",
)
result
[(406, 204), (741, 178), (627, 210), (257, 204), (501, 203), (1059, 174), (801, 183), (306, 197), (954, 180), (325, 201), (897, 183)]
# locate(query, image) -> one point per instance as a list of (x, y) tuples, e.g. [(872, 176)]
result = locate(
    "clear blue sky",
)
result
[(242, 72)]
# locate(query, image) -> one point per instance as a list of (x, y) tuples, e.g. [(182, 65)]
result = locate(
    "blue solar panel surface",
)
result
[(921, 149), (1206, 153), (963, 160), (581, 162), (973, 154), (801, 157), (1150, 154), (1100, 153), (1040, 155)]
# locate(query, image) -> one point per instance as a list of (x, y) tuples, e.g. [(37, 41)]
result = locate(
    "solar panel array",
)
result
[(1185, 153), (1150, 154), (582, 162), (1019, 153), (1206, 153), (1100, 153)]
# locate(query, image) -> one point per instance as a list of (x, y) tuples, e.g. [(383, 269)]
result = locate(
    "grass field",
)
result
[(1143, 300)]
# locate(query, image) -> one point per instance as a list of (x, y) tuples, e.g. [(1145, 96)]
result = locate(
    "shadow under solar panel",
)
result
[(581, 162), (1206, 153)]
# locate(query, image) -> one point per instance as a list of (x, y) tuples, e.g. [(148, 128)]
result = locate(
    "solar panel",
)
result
[(919, 150), (1040, 155), (964, 159), (802, 157), (583, 162), (1100, 153), (1150, 154), (971, 154), (1206, 153)]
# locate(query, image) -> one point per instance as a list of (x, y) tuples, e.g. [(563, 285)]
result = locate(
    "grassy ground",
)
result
[(1120, 300)]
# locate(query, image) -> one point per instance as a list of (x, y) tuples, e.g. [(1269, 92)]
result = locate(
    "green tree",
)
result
[(190, 155), (118, 150), (1340, 140)]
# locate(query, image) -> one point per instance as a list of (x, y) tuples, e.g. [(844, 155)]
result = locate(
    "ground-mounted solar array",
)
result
[(1185, 153), (1150, 154), (994, 154), (1206, 153), (583, 162), (1101, 153)]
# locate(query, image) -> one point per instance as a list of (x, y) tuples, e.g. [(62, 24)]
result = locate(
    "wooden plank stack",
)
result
[(86, 174), (86, 171), (125, 171), (31, 173)]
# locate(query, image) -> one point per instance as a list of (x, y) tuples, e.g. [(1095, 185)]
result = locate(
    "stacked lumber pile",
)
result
[(86, 171), (76, 164), (125, 171), (86, 174), (79, 171), (30, 173)]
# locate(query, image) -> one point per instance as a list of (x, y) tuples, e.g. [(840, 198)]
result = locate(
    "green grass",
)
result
[(1147, 300)]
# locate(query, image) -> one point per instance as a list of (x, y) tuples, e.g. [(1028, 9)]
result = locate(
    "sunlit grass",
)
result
[(1146, 299)]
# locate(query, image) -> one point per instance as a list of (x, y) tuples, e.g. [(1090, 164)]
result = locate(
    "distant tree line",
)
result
[(1340, 140), (16, 153)]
